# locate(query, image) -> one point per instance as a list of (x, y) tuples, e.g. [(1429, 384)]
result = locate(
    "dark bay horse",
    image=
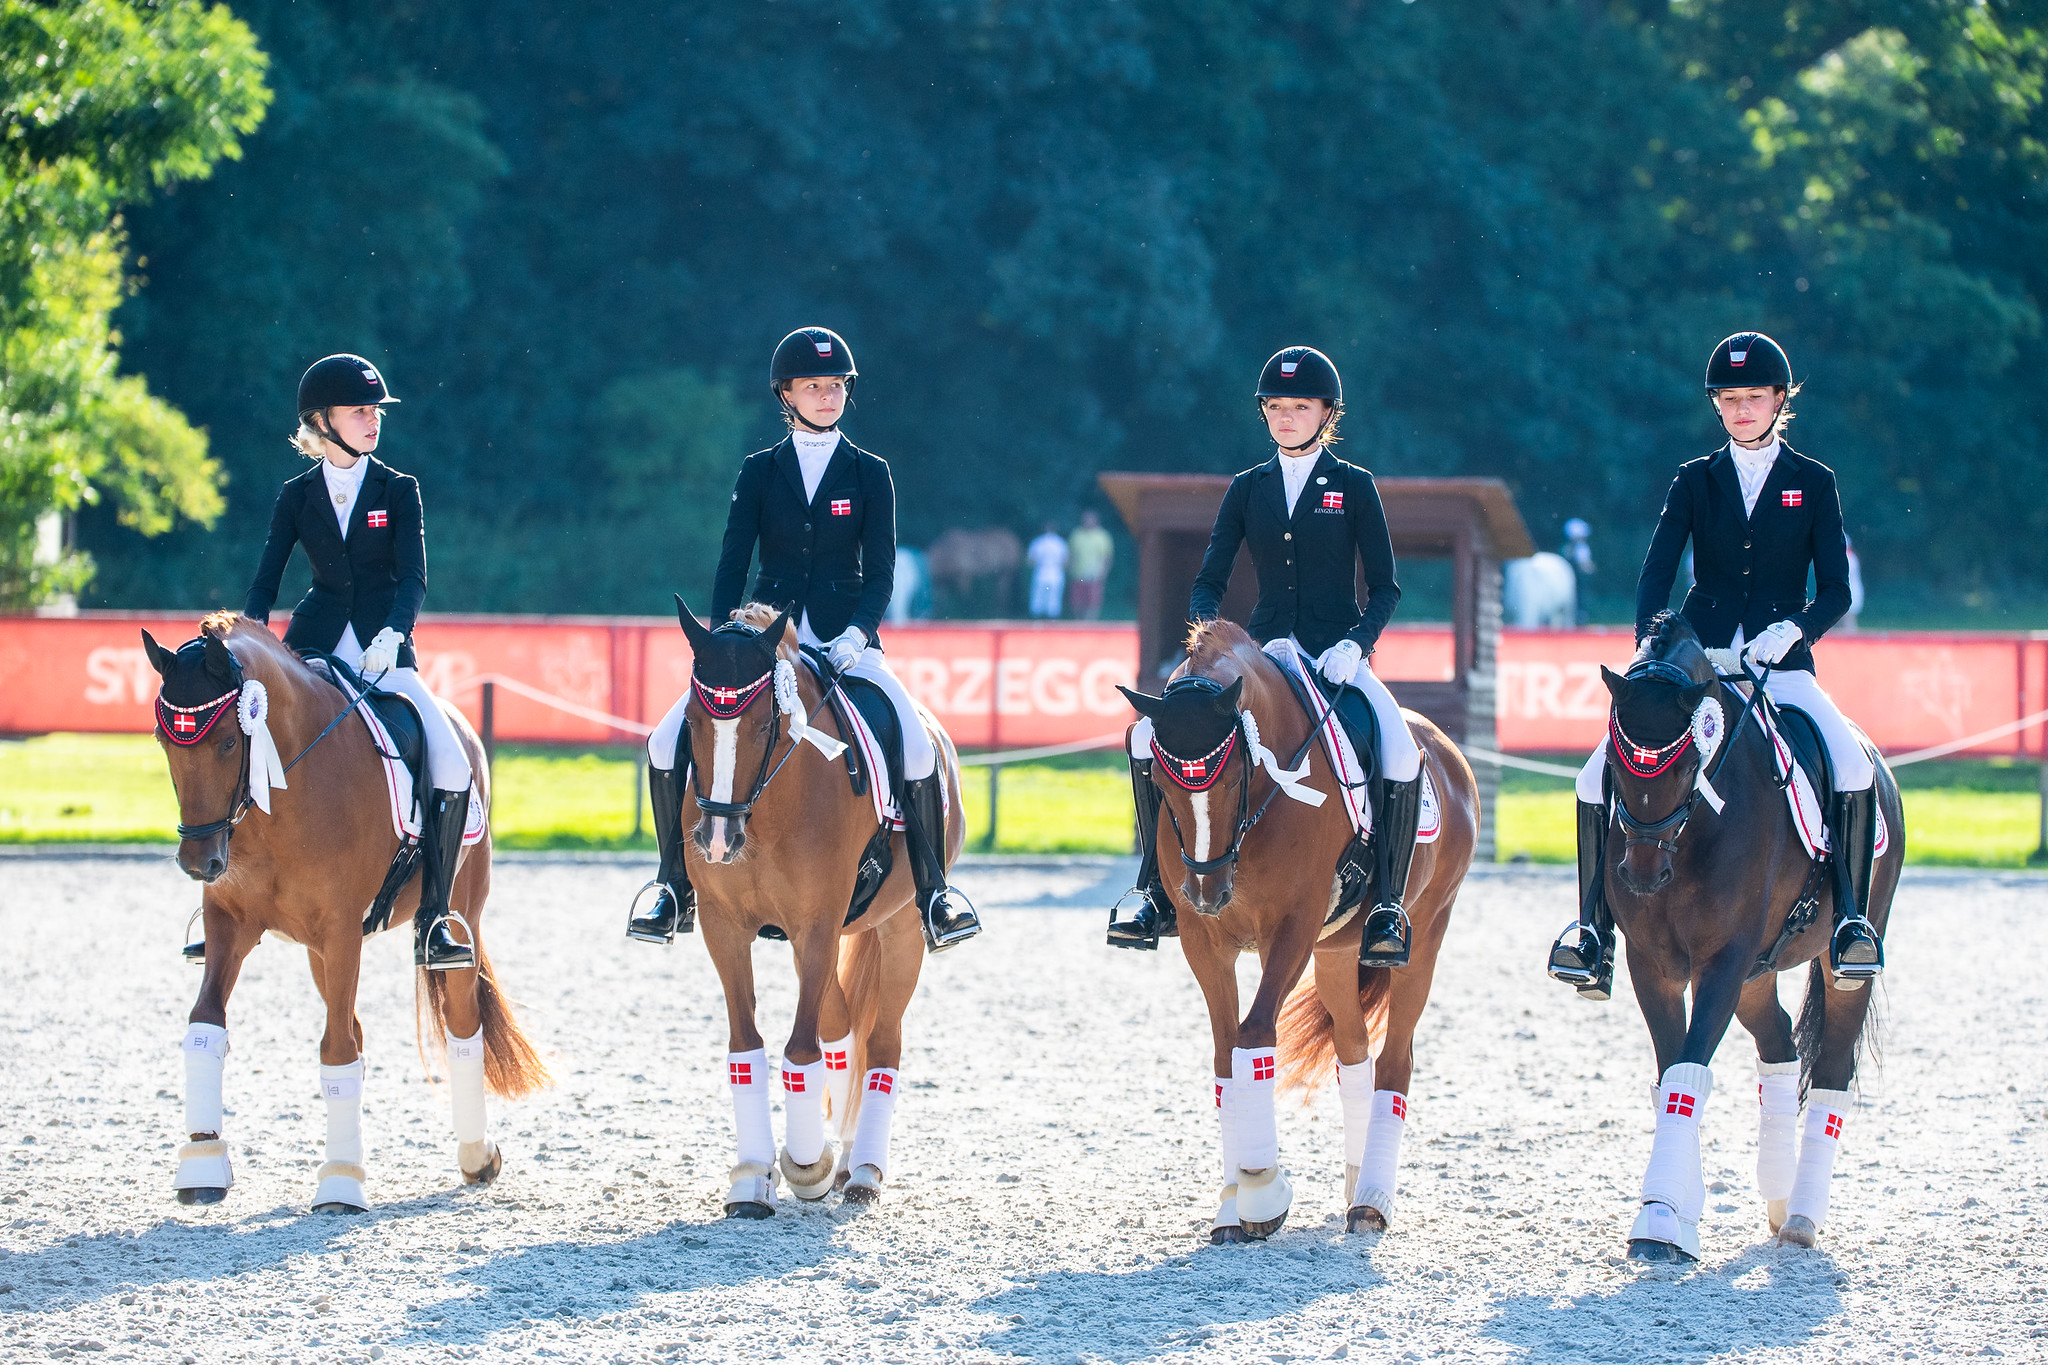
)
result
[(1703, 896), (779, 840), (305, 861), (1261, 864)]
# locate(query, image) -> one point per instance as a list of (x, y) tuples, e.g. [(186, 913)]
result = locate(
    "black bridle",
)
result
[(730, 703), (1200, 774), (1643, 761)]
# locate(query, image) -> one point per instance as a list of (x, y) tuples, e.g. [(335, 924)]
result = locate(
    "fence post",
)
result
[(2040, 853), (994, 772), (639, 792), (490, 727)]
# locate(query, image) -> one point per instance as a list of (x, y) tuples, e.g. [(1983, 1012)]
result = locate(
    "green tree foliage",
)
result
[(100, 104), (1063, 236)]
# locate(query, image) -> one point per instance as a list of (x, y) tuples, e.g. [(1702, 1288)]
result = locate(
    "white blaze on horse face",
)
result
[(725, 748), (1201, 802)]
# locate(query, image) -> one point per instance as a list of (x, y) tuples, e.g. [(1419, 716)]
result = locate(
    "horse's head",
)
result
[(201, 736), (733, 706), (1653, 748), (1200, 763)]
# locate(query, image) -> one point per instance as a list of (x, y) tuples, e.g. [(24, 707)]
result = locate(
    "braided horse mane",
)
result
[(1210, 641)]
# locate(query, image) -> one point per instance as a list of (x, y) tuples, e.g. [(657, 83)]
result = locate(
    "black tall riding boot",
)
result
[(1154, 918), (435, 947), (1855, 952), (675, 901), (1583, 956), (1397, 807), (924, 831)]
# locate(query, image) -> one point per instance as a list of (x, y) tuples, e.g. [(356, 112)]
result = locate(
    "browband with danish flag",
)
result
[(1196, 774), (1645, 762), (187, 725), (726, 702)]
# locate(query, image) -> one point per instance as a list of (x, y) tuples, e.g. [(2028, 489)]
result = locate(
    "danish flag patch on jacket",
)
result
[(1333, 502), (842, 507), (378, 519), (1792, 497)]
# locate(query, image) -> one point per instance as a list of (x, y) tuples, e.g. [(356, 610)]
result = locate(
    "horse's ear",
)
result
[(1232, 693), (220, 660), (692, 627), (777, 631), (159, 657), (1616, 684), (1143, 703)]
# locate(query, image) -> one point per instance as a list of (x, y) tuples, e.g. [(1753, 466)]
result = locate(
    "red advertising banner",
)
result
[(1014, 684)]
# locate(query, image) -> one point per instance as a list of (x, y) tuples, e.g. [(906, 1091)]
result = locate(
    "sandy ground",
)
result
[(1054, 1157)]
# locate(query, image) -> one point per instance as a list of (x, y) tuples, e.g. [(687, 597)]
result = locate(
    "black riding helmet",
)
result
[(1748, 360), (1302, 372), (810, 353), (339, 381)]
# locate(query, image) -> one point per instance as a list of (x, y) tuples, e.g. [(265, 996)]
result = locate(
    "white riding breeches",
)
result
[(447, 764), (1400, 758), (1854, 772), (920, 758)]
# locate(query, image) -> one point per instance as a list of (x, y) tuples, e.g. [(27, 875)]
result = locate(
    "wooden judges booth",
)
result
[(1473, 523)]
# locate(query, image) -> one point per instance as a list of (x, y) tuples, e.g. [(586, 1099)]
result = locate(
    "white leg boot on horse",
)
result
[(1226, 1227), (1372, 1199), (342, 1174), (1674, 1191), (1777, 1136), (1263, 1192), (807, 1158), (1354, 1094), (869, 1162), (204, 1172), (753, 1179), (1807, 1210), (839, 1088), (475, 1153)]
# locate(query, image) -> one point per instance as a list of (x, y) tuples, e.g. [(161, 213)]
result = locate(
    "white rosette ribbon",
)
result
[(266, 768), (791, 701), (1709, 730), (1293, 783)]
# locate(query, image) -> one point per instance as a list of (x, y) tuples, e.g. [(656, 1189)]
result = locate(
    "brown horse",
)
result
[(304, 861), (1710, 900), (782, 843), (1261, 877)]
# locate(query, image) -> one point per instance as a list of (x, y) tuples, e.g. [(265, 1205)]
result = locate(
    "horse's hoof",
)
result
[(1774, 1213), (1365, 1218), (1798, 1231), (336, 1206), (1263, 1199), (1657, 1253), (809, 1183), (748, 1208), (1227, 1235), (863, 1186), (1259, 1232), (486, 1173), (204, 1195)]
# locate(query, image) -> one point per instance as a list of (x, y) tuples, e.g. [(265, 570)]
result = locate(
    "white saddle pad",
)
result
[(870, 748), (1807, 817), (1343, 758), (405, 810)]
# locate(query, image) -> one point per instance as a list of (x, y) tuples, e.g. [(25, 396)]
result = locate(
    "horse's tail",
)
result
[(860, 980), (1308, 1036), (512, 1065), (1813, 1018)]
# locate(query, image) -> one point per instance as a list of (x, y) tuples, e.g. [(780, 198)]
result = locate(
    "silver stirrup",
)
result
[(456, 915), (633, 913), (938, 944)]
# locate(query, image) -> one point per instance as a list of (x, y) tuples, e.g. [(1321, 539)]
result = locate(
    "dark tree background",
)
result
[(1062, 235)]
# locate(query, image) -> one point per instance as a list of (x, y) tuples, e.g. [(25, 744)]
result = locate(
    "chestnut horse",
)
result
[(1704, 896), (778, 840), (1266, 883), (304, 860)]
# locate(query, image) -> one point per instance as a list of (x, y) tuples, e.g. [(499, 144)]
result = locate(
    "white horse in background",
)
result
[(1542, 590)]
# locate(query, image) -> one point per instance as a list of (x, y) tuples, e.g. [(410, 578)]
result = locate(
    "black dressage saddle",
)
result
[(401, 720)]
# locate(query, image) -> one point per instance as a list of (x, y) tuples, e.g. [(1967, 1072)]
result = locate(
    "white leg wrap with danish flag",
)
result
[(1225, 1128), (1380, 1166), (1777, 1135), (1673, 1178), (1826, 1111), (839, 1082), (803, 1110), (1354, 1091), (746, 1074), (877, 1112), (1255, 1133), (206, 1057)]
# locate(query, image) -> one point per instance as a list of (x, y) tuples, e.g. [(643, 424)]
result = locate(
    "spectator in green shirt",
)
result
[(1089, 552)]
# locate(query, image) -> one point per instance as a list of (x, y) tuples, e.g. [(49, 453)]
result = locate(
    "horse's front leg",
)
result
[(1777, 1087), (807, 1159), (752, 1194), (205, 1172), (1264, 1194), (1214, 962), (336, 965)]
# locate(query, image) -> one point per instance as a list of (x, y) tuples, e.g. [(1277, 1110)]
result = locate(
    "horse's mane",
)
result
[(761, 616), (232, 625), (1672, 639), (1210, 640)]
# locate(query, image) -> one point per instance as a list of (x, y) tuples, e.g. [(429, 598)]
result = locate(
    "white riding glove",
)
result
[(1775, 643), (846, 648), (1339, 663), (382, 655)]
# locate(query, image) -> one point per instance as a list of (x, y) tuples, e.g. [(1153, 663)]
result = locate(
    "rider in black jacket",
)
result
[(1309, 519), (823, 512), (360, 523), (1759, 516)]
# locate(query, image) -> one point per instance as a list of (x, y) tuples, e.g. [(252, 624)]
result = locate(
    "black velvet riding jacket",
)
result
[(1750, 568), (374, 579), (1307, 562), (833, 555)]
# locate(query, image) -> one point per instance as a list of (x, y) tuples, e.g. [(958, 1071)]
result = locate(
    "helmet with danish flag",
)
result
[(1301, 372), (341, 381), (1748, 360), (811, 353)]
